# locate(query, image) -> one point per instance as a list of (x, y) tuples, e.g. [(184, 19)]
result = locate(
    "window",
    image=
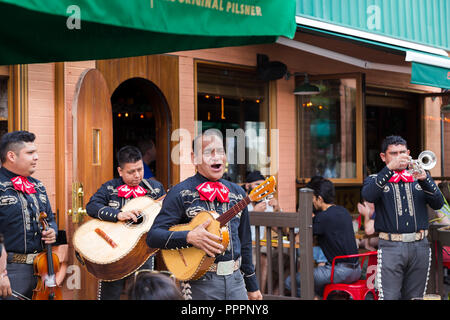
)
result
[(330, 130), (235, 102)]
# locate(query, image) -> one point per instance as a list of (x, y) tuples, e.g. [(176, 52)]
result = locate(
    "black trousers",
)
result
[(22, 279), (112, 290)]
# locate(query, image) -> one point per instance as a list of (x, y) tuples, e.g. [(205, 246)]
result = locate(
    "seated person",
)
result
[(367, 210), (148, 150), (443, 214), (319, 259), (332, 224), (254, 179)]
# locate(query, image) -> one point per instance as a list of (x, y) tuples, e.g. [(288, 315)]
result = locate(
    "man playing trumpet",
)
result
[(401, 200)]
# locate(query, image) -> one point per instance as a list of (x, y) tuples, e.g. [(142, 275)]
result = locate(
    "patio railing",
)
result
[(286, 223)]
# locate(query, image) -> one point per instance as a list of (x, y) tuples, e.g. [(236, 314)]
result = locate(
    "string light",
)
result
[(222, 116)]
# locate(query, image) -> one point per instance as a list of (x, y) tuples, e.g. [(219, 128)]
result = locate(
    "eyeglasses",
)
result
[(217, 152)]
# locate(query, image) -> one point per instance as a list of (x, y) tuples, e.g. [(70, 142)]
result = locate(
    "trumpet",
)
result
[(425, 161)]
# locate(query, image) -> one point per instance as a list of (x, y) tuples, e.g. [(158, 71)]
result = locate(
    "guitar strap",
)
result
[(148, 186)]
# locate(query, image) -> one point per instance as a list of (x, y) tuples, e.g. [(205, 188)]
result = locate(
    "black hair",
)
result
[(254, 176), (128, 154), (392, 140), (154, 286), (14, 141), (322, 187)]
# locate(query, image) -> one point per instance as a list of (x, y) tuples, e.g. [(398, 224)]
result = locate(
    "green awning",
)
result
[(427, 69), (430, 75), (423, 22), (66, 30)]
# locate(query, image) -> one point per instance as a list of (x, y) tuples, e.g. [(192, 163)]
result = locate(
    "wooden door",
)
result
[(92, 156)]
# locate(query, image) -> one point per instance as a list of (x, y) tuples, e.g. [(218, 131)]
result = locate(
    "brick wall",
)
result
[(41, 120)]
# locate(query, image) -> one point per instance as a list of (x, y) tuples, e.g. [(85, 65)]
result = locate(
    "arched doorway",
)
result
[(141, 118)]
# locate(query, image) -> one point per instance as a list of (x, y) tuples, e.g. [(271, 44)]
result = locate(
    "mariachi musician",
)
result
[(107, 202), (207, 191), (22, 198), (401, 199)]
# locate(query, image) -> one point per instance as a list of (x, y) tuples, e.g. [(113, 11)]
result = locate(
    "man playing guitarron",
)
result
[(232, 275), (107, 202)]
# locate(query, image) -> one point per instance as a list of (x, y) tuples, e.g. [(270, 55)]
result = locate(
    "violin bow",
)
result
[(19, 296)]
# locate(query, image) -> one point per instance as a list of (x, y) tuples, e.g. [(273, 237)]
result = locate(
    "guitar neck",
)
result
[(238, 207)]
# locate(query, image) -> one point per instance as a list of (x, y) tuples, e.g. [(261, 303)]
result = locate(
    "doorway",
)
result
[(140, 115), (390, 112)]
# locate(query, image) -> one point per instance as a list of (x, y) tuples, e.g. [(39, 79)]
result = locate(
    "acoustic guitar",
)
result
[(112, 250), (192, 263)]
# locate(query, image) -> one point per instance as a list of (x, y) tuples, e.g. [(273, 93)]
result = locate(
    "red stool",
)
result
[(357, 290), (446, 256)]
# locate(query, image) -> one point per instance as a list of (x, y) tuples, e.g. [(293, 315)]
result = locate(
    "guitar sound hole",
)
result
[(140, 219)]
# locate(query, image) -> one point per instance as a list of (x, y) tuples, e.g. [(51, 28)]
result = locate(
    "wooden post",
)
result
[(306, 244)]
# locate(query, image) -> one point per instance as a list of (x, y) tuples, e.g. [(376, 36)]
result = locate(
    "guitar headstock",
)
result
[(263, 190)]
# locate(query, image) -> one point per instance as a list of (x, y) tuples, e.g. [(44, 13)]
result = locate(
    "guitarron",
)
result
[(112, 250), (192, 263)]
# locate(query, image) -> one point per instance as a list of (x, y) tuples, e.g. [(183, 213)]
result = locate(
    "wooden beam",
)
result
[(60, 152)]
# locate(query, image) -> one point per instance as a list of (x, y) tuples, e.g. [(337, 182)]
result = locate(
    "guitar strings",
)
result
[(130, 222)]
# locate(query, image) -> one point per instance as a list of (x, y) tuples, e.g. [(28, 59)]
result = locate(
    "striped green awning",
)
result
[(418, 28), (424, 22), (427, 69)]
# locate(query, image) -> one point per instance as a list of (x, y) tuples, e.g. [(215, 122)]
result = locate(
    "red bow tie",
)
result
[(22, 184), (125, 191), (404, 176), (212, 190)]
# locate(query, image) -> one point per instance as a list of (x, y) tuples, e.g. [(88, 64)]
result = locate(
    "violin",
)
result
[(45, 265)]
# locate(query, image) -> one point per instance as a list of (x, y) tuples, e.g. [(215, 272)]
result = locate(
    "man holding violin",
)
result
[(22, 198)]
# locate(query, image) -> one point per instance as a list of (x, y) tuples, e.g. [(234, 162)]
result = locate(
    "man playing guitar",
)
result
[(107, 202), (207, 191)]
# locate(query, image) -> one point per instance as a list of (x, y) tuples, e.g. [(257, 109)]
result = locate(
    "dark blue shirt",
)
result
[(148, 173), (19, 214), (105, 204), (401, 207), (182, 203), (334, 230)]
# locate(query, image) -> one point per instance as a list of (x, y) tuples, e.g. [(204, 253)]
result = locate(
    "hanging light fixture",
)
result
[(306, 88)]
